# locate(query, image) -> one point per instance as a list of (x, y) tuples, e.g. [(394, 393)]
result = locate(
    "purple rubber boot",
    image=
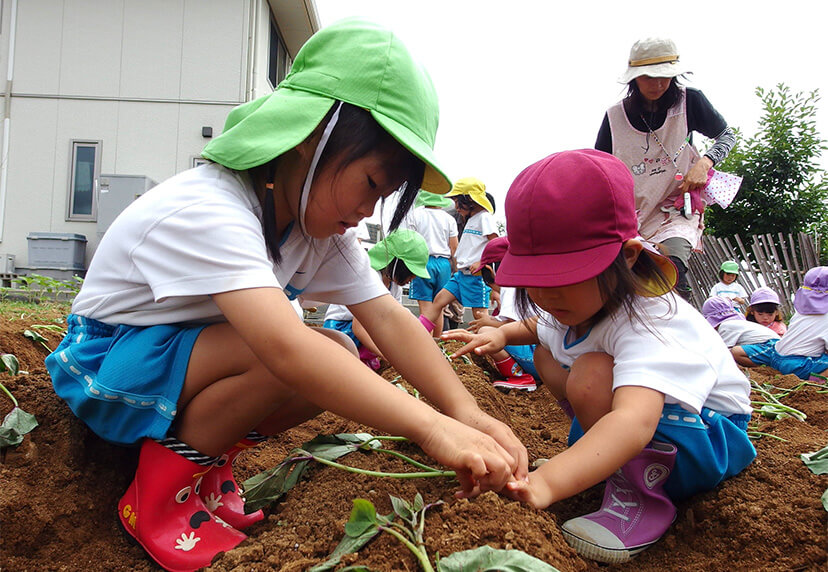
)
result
[(636, 511)]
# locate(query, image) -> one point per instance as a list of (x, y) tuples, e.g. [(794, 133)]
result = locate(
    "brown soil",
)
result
[(59, 490)]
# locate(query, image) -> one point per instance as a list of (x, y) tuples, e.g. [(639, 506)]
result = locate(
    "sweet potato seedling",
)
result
[(17, 423)]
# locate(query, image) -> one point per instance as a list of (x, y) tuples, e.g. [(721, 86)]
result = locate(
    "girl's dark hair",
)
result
[(355, 135), (618, 285), (488, 273), (722, 273), (397, 271), (491, 200), (634, 102), (765, 308)]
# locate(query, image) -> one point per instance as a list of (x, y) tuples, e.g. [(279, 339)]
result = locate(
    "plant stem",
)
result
[(7, 392), (381, 474), (796, 413), (422, 558), (407, 459)]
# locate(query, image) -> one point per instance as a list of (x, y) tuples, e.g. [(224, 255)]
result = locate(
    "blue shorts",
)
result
[(122, 381), (801, 366), (344, 326), (711, 448), (439, 269), (525, 357), (470, 290)]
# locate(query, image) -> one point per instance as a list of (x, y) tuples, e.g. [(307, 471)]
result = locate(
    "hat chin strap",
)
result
[(320, 147)]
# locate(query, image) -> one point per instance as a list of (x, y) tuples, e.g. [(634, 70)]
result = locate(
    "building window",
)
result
[(83, 181), (278, 61)]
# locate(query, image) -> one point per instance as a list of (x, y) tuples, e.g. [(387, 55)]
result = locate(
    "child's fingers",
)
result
[(461, 335)]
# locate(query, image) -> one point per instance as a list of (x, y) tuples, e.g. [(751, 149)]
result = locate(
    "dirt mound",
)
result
[(60, 488)]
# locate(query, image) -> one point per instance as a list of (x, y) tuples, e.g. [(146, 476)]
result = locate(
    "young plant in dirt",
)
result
[(365, 524), (18, 422), (269, 486), (818, 463)]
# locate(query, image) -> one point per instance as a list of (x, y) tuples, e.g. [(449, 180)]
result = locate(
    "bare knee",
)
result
[(552, 374), (590, 377)]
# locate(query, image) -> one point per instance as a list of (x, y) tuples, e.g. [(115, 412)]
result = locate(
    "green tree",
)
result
[(784, 188)]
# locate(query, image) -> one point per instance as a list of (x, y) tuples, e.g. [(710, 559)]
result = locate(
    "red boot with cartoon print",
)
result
[(516, 378), (162, 511), (221, 493)]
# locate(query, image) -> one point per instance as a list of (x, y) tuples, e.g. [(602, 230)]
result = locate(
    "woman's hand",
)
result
[(484, 343), (696, 177)]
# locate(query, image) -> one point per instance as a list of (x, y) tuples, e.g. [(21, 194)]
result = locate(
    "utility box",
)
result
[(57, 250), (7, 263), (116, 193)]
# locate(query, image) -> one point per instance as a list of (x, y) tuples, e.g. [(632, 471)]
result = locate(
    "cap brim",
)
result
[(656, 70), (553, 270), (434, 179), (282, 122), (652, 289)]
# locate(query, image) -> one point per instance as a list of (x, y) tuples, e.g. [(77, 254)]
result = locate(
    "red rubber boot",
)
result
[(162, 511), (221, 493), (516, 378)]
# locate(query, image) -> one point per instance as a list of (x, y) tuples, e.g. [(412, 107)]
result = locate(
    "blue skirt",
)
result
[(122, 381)]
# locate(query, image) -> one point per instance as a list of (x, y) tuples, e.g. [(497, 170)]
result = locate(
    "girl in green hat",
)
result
[(727, 287), (183, 340), (398, 258)]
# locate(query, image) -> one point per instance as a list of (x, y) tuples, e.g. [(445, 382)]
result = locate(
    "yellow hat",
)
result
[(473, 188)]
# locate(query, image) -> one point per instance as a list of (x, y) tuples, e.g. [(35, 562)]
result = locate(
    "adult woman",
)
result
[(651, 131)]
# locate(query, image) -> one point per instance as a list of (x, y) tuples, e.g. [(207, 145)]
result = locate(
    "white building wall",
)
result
[(140, 76)]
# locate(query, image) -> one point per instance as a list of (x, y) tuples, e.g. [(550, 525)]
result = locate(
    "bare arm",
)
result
[(512, 334), (364, 338), (613, 440), (328, 375)]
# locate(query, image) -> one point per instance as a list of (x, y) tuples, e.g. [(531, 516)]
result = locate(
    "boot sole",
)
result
[(601, 554), (508, 388)]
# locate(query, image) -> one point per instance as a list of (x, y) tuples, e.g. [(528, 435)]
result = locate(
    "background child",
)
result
[(466, 287), (612, 338), (803, 350), (732, 326), (727, 287), (439, 229), (515, 363), (398, 258), (183, 340), (765, 309)]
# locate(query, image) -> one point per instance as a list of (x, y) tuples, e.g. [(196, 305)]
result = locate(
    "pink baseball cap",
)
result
[(567, 217), (494, 250)]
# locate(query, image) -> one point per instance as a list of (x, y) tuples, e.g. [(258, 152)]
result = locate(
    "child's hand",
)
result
[(488, 342), (500, 432), (480, 462), (534, 491)]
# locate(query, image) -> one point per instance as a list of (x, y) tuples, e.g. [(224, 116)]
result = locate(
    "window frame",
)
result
[(278, 59), (71, 191)]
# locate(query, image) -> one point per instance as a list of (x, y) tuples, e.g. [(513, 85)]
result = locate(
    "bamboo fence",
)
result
[(778, 262)]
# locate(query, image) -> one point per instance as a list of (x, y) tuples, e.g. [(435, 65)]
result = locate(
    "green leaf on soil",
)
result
[(359, 530), (486, 558), (15, 425), (816, 461), (825, 500), (9, 363)]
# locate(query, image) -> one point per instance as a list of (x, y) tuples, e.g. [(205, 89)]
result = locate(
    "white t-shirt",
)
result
[(729, 291), (436, 226), (736, 332), (200, 233), (474, 240), (508, 309), (677, 354), (807, 335)]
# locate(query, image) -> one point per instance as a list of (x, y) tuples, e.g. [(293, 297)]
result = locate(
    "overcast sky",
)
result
[(520, 79)]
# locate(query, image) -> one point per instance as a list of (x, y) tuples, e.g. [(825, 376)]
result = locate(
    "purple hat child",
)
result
[(764, 295), (717, 309), (812, 296), (567, 217)]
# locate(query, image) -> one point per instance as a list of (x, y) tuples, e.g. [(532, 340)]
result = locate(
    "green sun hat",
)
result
[(354, 61), (407, 245), (426, 199), (730, 267)]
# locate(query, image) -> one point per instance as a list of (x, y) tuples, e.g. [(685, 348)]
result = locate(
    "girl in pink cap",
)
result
[(765, 309), (659, 407), (803, 350)]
